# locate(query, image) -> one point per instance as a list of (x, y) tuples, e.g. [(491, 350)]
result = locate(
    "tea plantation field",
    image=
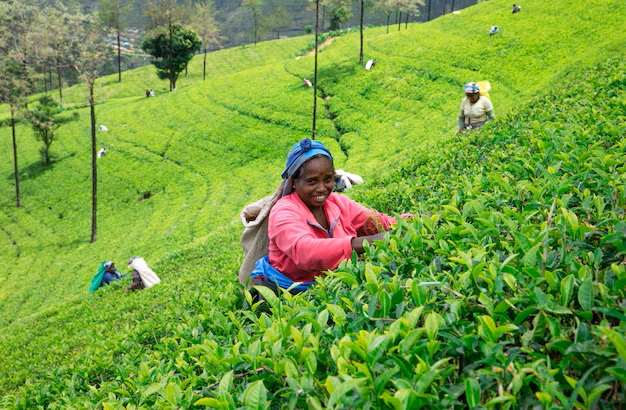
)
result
[(507, 290)]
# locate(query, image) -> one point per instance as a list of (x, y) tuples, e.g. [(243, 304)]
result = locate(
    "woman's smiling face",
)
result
[(315, 182)]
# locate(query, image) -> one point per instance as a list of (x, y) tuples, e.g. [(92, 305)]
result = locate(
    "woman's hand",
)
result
[(357, 243)]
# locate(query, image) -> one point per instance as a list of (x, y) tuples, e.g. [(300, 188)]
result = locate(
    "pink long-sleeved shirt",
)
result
[(301, 249)]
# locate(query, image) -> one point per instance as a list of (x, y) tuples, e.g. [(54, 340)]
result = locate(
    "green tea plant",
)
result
[(505, 291)]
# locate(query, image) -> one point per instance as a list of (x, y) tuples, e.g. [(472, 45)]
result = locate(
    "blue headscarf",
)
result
[(471, 88), (302, 151), (298, 155)]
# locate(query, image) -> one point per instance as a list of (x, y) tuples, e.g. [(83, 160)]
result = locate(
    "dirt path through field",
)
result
[(321, 46)]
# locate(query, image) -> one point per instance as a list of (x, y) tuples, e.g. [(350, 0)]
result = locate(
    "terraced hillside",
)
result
[(181, 165)]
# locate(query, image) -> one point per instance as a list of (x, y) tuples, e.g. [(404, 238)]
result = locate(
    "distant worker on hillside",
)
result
[(344, 180), (106, 274), (494, 30), (102, 152), (143, 276), (311, 229), (516, 8), (476, 109)]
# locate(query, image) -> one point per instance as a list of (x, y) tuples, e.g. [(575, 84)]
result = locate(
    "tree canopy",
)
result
[(45, 120), (172, 48)]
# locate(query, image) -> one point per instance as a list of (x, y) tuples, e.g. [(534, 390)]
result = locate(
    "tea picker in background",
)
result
[(311, 229), (344, 180), (494, 30), (475, 109), (102, 152), (516, 8), (106, 274), (143, 276)]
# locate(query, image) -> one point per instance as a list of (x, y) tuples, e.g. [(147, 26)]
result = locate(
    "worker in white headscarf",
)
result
[(143, 276)]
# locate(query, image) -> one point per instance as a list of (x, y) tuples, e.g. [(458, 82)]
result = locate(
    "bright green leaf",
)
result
[(585, 295)]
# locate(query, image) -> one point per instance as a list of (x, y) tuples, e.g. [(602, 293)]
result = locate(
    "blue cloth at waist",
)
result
[(262, 268)]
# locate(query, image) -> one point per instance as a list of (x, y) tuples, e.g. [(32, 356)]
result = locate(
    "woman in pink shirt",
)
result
[(312, 229)]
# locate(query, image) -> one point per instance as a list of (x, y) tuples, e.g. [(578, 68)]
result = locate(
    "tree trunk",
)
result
[(255, 25), (60, 81), (317, 15), (406, 21), (361, 32), (452, 6), (171, 57), (15, 167), (43, 76), (429, 7), (204, 65), (94, 169), (46, 152), (323, 18), (399, 20), (388, 17), (119, 55)]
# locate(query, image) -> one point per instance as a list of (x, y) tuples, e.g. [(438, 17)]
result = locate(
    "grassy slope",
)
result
[(204, 151)]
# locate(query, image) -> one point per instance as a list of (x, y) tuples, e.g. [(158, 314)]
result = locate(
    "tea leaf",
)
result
[(431, 326), (268, 295), (210, 402), (377, 348), (472, 392), (530, 257), (255, 395), (567, 289), (617, 340), (585, 295)]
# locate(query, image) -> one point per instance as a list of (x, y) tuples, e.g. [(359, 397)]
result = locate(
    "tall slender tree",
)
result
[(364, 4), (317, 15), (160, 12), (278, 20), (410, 7), (387, 7), (16, 75), (204, 24), (362, 16), (62, 36), (113, 15), (14, 87), (255, 7), (88, 59)]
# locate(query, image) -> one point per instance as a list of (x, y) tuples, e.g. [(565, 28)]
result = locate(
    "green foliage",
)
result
[(172, 48), (505, 291), (45, 121)]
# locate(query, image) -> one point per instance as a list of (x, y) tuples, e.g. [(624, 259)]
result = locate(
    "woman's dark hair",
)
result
[(296, 174)]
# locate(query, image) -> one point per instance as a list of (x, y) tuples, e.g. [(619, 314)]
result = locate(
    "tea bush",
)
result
[(505, 291)]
